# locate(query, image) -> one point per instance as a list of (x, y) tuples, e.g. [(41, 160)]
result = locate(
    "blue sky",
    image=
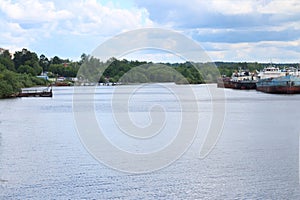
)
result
[(228, 30)]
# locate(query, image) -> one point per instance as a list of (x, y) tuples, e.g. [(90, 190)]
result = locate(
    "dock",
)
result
[(37, 92)]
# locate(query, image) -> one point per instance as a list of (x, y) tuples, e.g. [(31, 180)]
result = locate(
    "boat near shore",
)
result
[(224, 82), (289, 84), (269, 80), (242, 80), (62, 84), (270, 72), (36, 92), (285, 82)]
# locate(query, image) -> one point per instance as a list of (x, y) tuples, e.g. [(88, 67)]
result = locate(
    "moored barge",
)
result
[(37, 92), (242, 80), (289, 84)]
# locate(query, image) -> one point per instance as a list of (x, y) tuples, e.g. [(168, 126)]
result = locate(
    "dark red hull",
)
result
[(224, 83), (241, 85), (279, 89), (244, 85), (61, 84)]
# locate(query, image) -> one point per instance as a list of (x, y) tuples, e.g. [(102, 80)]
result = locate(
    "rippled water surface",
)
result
[(256, 157)]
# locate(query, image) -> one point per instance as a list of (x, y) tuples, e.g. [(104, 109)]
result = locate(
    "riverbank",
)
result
[(11, 83)]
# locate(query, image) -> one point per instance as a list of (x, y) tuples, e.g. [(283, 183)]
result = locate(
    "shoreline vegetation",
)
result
[(26, 69)]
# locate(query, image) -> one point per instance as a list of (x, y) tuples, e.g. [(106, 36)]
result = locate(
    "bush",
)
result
[(6, 90), (11, 82)]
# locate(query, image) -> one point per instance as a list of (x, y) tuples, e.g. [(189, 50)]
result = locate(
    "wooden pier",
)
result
[(36, 92)]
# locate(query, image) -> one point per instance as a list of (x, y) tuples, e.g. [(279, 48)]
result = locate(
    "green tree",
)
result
[(56, 60), (26, 57), (5, 60), (83, 57), (44, 62), (26, 69)]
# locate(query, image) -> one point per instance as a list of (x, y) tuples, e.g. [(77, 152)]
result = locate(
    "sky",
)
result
[(227, 30)]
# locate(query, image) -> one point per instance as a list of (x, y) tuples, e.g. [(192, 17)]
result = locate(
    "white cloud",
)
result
[(288, 7), (234, 7), (230, 30), (235, 30), (38, 23), (12, 35), (230, 7), (33, 11), (265, 51), (153, 56), (95, 18)]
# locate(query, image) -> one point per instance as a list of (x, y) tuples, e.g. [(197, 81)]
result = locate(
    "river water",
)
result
[(256, 156)]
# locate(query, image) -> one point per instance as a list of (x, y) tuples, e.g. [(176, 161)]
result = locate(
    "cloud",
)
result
[(244, 35), (234, 30), (69, 28), (290, 7), (264, 51), (153, 55), (33, 11), (221, 14), (95, 18), (49, 26)]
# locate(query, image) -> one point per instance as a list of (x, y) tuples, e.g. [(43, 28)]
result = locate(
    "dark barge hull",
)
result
[(60, 84), (240, 85), (36, 94), (279, 89), (224, 83), (289, 84), (244, 85)]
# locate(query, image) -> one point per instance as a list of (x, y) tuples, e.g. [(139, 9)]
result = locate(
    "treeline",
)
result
[(125, 71), (20, 70), (27, 62)]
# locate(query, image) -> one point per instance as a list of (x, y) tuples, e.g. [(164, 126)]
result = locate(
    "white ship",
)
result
[(270, 72)]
